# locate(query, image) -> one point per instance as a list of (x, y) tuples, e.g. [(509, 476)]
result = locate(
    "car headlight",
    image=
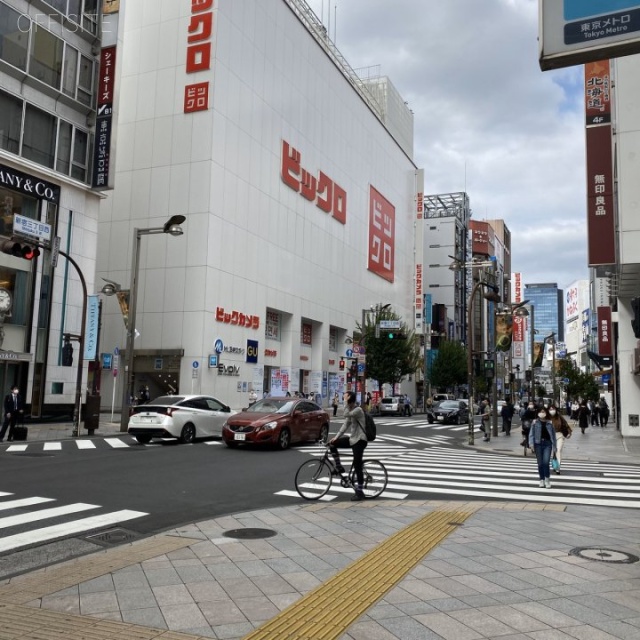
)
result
[(270, 425)]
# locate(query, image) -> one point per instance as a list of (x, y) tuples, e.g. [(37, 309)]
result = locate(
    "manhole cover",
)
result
[(249, 533), (604, 555), (112, 536)]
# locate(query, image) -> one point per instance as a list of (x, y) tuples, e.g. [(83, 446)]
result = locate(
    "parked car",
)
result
[(439, 397), (449, 412), (185, 417), (392, 404), (279, 422)]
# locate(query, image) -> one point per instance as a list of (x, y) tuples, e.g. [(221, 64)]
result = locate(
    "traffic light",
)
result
[(20, 249), (341, 365), (527, 375), (635, 320), (489, 368), (396, 335), (67, 354)]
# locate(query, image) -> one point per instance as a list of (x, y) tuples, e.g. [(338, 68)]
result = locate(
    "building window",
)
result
[(80, 151), (85, 81), (14, 37), (70, 74), (63, 162), (333, 339), (10, 119), (45, 62), (39, 141), (79, 11), (57, 388)]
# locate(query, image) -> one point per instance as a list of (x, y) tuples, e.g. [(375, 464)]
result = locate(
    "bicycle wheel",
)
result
[(313, 479), (374, 478)]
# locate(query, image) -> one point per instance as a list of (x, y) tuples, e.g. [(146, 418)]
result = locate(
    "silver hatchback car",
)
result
[(392, 404), (184, 417)]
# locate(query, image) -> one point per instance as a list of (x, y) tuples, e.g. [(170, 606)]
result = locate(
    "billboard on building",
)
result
[(580, 31)]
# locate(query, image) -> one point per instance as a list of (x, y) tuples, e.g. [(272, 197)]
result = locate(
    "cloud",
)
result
[(486, 119)]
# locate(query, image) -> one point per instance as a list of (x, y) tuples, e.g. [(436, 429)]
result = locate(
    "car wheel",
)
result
[(143, 439), (324, 434), (284, 439), (188, 434)]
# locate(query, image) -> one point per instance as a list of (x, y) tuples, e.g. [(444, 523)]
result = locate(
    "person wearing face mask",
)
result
[(563, 431), (527, 416), (542, 440), (13, 408)]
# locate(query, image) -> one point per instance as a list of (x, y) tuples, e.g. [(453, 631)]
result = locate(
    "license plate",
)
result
[(239, 436), (146, 420), (440, 417)]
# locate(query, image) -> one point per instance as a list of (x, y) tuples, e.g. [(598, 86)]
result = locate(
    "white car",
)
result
[(392, 404), (185, 417)]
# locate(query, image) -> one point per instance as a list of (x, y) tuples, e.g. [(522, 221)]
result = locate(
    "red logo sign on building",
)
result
[(382, 230), (604, 331), (199, 44)]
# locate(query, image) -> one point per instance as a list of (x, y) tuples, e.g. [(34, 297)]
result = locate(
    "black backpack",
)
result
[(369, 427)]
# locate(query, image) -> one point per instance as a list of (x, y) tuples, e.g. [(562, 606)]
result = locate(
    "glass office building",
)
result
[(547, 301)]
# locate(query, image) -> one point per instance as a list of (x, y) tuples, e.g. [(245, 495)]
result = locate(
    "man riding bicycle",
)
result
[(357, 440)]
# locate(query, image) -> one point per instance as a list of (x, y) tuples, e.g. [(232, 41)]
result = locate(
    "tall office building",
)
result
[(548, 303)]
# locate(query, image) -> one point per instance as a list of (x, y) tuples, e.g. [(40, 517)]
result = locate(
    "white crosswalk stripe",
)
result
[(60, 520)]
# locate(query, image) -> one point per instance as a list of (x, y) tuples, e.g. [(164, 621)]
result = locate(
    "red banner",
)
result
[(600, 222), (604, 331), (518, 328), (382, 232), (597, 92)]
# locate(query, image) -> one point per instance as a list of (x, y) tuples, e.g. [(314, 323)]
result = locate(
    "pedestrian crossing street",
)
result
[(469, 474), (85, 444), (17, 514)]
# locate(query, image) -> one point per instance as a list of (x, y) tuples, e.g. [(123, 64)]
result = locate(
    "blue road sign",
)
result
[(195, 364)]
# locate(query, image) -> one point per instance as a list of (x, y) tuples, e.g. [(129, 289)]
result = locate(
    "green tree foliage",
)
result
[(581, 385), (388, 361), (450, 365)]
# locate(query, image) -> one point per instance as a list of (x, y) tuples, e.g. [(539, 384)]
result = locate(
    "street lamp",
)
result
[(173, 228)]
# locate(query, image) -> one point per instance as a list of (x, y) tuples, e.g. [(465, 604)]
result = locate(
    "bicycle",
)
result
[(314, 477)]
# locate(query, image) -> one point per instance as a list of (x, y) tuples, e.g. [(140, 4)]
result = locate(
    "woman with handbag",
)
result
[(563, 432)]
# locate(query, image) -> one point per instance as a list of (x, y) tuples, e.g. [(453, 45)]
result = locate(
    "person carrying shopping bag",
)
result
[(563, 432)]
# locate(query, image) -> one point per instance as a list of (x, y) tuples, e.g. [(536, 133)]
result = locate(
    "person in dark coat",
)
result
[(583, 416), (13, 409), (507, 412), (527, 416)]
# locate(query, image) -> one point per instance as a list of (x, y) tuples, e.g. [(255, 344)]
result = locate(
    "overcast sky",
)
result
[(486, 119)]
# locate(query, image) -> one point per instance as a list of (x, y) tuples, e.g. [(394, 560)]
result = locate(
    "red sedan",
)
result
[(277, 421)]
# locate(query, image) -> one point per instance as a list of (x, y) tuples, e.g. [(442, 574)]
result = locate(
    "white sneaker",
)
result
[(541, 484), (547, 483)]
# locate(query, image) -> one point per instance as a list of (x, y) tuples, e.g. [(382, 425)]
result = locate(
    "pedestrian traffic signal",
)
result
[(341, 365), (396, 335), (353, 369), (19, 249), (527, 375), (67, 354)]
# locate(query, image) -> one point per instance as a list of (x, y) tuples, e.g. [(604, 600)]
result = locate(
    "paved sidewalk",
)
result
[(377, 570)]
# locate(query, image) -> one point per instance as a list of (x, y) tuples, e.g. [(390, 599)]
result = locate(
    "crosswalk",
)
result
[(481, 475), (85, 444), (421, 423), (17, 514)]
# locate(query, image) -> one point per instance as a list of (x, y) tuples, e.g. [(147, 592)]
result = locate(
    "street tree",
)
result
[(392, 354), (450, 366), (580, 385)]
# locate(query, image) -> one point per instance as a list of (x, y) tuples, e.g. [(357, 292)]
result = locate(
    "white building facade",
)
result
[(299, 203)]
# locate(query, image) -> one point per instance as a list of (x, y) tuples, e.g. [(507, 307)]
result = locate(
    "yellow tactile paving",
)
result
[(326, 612), (27, 588)]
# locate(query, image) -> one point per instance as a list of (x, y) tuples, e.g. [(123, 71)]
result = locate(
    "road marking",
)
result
[(17, 447), (327, 611), (61, 530), (52, 446), (116, 443), (295, 494), (85, 444), (43, 514), (22, 502)]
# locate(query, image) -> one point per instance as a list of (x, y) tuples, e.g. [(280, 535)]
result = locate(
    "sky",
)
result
[(486, 119)]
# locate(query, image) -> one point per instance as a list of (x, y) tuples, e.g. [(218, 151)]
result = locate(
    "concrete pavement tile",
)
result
[(479, 601), (422, 589), (206, 591), (408, 629), (506, 580), (194, 573), (612, 609), (619, 629), (452, 587), (186, 553), (484, 624), (257, 609), (515, 619), (398, 595), (368, 630), (536, 594), (417, 606), (103, 583), (384, 610), (272, 584), (313, 564), (64, 604), (236, 551), (130, 579), (447, 627), (263, 550), (91, 603), (301, 581), (607, 587), (232, 631), (172, 594), (239, 587), (181, 617), (449, 604), (629, 599), (206, 549), (254, 568), (478, 584), (221, 613), (534, 578), (443, 568), (136, 599), (283, 600), (224, 570), (421, 572), (283, 565), (546, 614), (572, 607), (338, 560), (115, 616), (471, 565), (162, 577), (204, 632), (497, 563), (567, 590)]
